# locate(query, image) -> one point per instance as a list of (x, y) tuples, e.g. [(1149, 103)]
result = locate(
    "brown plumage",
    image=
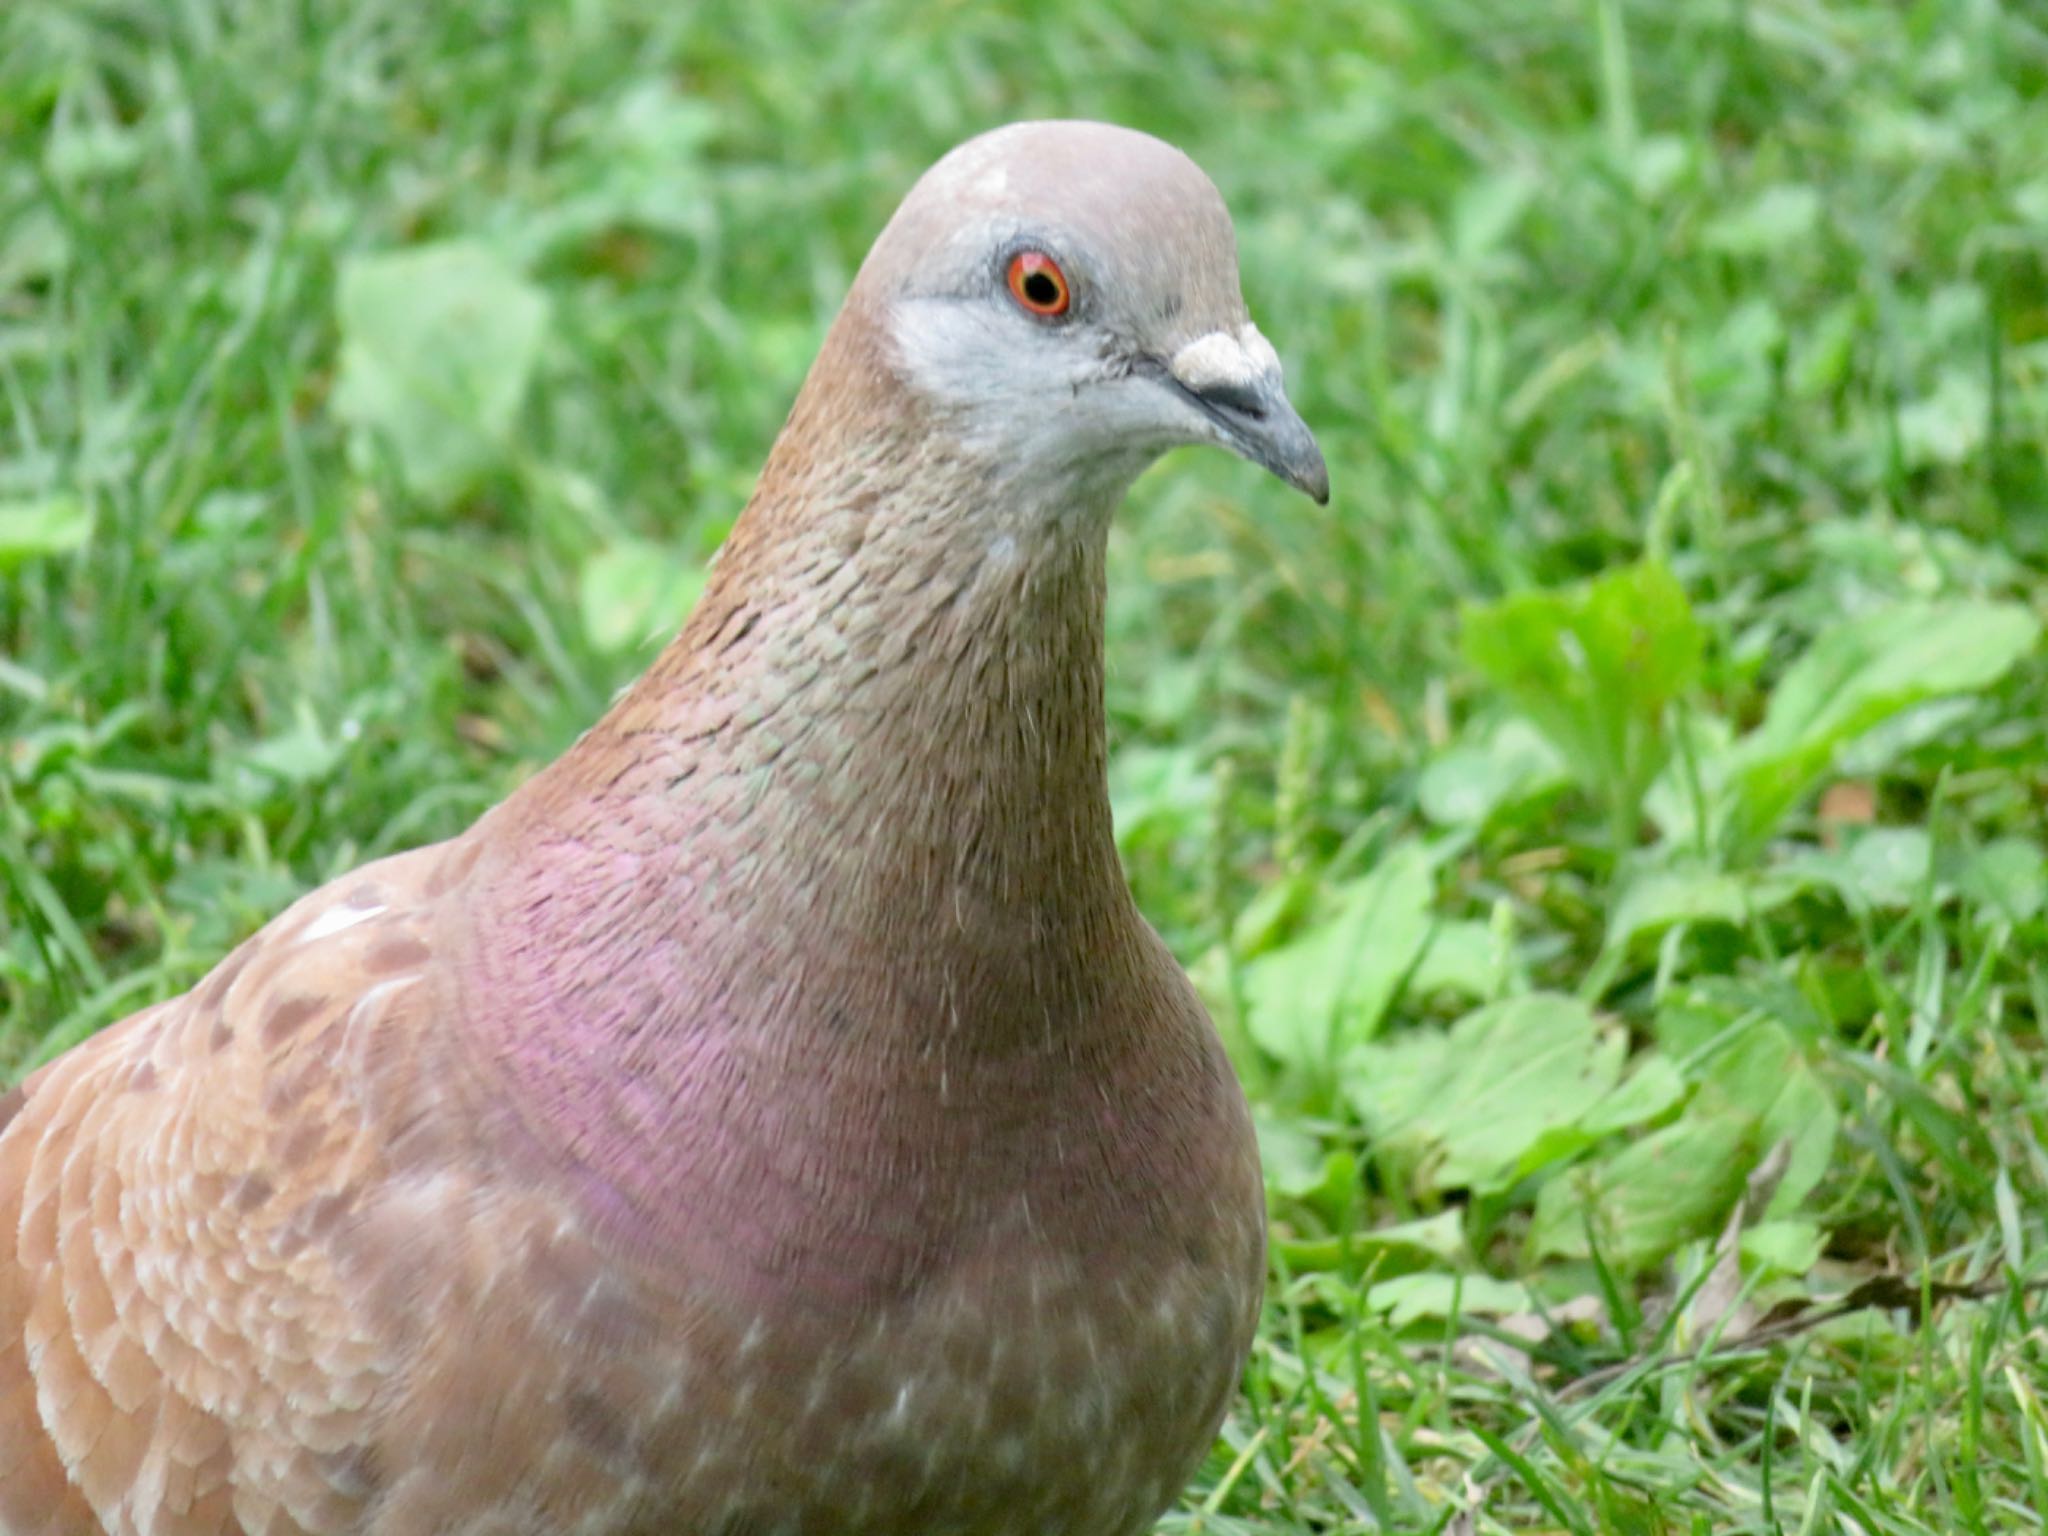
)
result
[(775, 1119)]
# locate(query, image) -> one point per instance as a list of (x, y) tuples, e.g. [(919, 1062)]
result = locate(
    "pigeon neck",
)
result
[(911, 692), (880, 735), (837, 874)]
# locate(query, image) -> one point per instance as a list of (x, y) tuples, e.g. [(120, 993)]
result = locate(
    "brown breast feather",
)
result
[(271, 1263)]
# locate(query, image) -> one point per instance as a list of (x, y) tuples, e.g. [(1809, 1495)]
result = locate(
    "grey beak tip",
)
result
[(1316, 485), (1292, 454), (1258, 421)]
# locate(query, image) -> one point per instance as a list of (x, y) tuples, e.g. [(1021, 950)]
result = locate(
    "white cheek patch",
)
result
[(1005, 386), (1041, 404), (945, 350), (1006, 390)]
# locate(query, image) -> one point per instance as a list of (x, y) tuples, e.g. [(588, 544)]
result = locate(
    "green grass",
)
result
[(1609, 834)]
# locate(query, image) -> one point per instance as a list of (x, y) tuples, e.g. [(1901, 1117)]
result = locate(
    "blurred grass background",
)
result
[(1610, 833)]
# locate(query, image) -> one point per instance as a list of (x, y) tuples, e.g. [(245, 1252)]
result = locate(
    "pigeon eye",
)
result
[(1037, 283)]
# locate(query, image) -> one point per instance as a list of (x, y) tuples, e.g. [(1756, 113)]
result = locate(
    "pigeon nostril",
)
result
[(1245, 399)]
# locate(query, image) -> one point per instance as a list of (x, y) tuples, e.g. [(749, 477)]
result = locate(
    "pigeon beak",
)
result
[(1239, 391), (1263, 425)]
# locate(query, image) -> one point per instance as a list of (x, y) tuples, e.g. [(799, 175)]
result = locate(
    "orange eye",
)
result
[(1038, 283)]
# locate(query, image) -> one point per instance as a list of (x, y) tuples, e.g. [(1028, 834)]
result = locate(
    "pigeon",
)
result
[(775, 1118)]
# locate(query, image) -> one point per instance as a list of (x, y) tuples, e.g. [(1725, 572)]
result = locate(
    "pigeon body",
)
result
[(775, 1119)]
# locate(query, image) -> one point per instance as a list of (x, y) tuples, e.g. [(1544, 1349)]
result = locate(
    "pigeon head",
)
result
[(1064, 297)]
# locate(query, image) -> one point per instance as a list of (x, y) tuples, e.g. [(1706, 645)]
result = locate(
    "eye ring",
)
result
[(1039, 286)]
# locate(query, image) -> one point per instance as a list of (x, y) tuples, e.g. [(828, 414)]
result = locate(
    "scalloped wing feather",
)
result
[(181, 1350)]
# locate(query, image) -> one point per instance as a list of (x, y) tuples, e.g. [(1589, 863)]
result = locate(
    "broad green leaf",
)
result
[(1265, 920), (81, 149), (1466, 1110), (1661, 161), (1948, 425), (1878, 558), (1465, 958), (304, 754), (1652, 1086), (1694, 1021), (1596, 667), (1159, 794), (49, 525), (2005, 881), (1776, 218), (1295, 1160), (1657, 895), (1874, 752), (633, 157), (34, 245), (1387, 1250), (1392, 1081), (1489, 208), (1783, 1247), (1855, 676), (1880, 867), (438, 344), (1466, 785), (1644, 1200), (634, 591), (1732, 365), (1310, 998), (1764, 1075), (2030, 201), (1679, 1182), (1411, 1298), (1442, 1235), (1825, 348)]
